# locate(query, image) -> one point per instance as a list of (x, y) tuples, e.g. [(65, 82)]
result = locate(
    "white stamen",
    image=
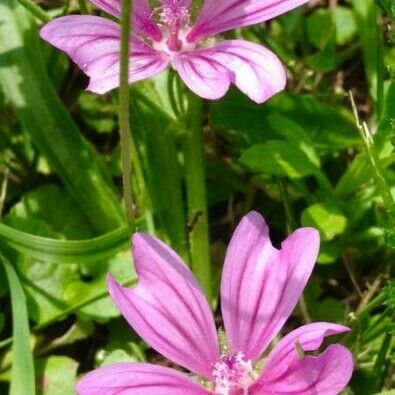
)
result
[(232, 375)]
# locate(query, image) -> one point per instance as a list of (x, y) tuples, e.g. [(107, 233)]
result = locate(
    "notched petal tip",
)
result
[(326, 374), (306, 241)]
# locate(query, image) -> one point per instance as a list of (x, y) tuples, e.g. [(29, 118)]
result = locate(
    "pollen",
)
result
[(232, 375)]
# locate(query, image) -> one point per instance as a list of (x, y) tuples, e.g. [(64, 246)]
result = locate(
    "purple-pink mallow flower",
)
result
[(165, 36), (260, 287)]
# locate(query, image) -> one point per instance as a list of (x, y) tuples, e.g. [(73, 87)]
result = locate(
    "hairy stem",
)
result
[(124, 112), (196, 194)]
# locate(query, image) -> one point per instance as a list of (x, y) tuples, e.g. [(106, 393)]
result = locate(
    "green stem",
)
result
[(83, 7), (124, 112), (377, 168), (196, 194), (289, 211), (36, 10), (380, 67)]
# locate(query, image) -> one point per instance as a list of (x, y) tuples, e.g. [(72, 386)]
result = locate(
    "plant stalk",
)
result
[(83, 7), (124, 112), (36, 10), (198, 228)]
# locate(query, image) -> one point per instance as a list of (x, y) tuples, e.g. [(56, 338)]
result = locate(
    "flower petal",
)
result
[(202, 74), (142, 20), (137, 379), (168, 308), (93, 43), (217, 17), (254, 69), (309, 337), (287, 373), (112, 7), (261, 285)]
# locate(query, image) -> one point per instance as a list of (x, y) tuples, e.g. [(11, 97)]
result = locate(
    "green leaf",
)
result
[(56, 375), (388, 6), (120, 266), (338, 23), (279, 158), (123, 345), (48, 211), (346, 27), (327, 218), (329, 253), (22, 375), (245, 123), (320, 27), (46, 121), (98, 112), (45, 285)]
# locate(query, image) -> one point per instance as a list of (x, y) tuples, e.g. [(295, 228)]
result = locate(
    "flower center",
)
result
[(232, 375), (174, 18)]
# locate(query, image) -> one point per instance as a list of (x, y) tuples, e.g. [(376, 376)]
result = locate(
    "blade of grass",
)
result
[(65, 251), (71, 310), (365, 12), (375, 162), (22, 374), (46, 121)]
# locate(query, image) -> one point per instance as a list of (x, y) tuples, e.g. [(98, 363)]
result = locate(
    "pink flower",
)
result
[(165, 36), (260, 287)]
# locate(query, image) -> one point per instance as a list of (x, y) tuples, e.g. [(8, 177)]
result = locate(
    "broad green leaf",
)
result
[(119, 266), (244, 123), (45, 286), (49, 212), (327, 218), (22, 375), (324, 23), (56, 375), (46, 121), (346, 27), (278, 158), (296, 135), (320, 27)]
